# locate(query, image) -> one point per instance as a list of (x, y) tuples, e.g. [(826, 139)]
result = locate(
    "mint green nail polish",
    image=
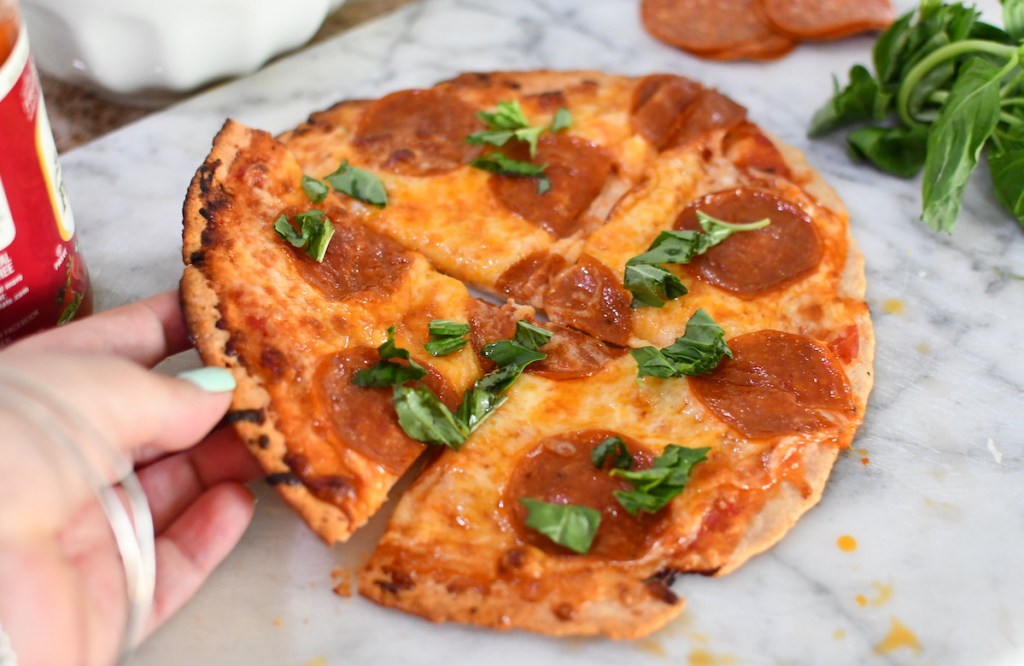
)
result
[(211, 380)]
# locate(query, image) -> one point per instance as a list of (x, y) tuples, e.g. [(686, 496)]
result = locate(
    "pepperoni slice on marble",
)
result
[(359, 263), (751, 263), (707, 27), (364, 419), (827, 19), (577, 170), (559, 470), (777, 383), (527, 279), (417, 133), (657, 105), (589, 297)]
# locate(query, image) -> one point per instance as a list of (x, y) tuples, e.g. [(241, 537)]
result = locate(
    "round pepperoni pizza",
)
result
[(622, 328)]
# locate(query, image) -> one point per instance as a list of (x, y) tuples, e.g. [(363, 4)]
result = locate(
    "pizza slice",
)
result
[(296, 330)]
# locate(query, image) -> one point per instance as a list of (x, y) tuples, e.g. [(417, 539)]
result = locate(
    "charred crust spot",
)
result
[(196, 258), (564, 612), (257, 416), (263, 442), (551, 99), (231, 347), (206, 173), (332, 489), (220, 324), (399, 582), (283, 479), (660, 586)]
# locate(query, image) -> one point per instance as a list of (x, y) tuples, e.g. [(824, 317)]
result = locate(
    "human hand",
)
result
[(55, 545)]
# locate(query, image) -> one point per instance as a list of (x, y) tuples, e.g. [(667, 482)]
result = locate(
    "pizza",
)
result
[(613, 330)]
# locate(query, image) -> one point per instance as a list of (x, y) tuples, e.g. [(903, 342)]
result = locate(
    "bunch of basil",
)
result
[(946, 87)]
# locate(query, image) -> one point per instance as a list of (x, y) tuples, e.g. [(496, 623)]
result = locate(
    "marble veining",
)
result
[(931, 491)]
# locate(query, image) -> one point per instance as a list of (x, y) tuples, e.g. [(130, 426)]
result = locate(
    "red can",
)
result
[(43, 279)]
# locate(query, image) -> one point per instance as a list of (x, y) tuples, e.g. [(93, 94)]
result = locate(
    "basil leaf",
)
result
[(562, 120), (314, 189), (1006, 168), (387, 373), (861, 100), (315, 232), (717, 230), (423, 417), (359, 184), (1013, 18), (480, 401), (530, 335), (446, 337), (651, 285), (891, 49), (968, 118), (897, 150), (613, 448), (699, 350), (445, 346), (510, 353), (672, 247), (655, 487), (506, 166), (507, 115), (490, 137), (566, 524)]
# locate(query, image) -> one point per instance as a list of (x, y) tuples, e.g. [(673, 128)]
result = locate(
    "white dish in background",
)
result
[(148, 49)]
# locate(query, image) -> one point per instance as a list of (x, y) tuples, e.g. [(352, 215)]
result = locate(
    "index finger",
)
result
[(147, 332)]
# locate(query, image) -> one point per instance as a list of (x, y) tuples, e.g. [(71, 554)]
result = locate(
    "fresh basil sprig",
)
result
[(314, 233), (387, 372), (947, 88), (700, 349), (657, 485), (614, 448), (508, 122), (567, 525), (646, 278), (358, 184), (446, 337)]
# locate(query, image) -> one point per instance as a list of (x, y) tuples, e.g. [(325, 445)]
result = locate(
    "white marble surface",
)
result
[(938, 512)]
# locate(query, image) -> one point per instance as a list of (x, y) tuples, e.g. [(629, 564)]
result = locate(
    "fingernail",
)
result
[(211, 380)]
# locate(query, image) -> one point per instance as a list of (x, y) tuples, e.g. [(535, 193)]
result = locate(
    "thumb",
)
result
[(141, 413)]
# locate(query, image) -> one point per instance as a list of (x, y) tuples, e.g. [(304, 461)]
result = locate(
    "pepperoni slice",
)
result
[(754, 262), (364, 419), (776, 384), (658, 103), (358, 263), (527, 279), (589, 297), (559, 470), (748, 148), (570, 353), (707, 27), (577, 170), (417, 133), (827, 19), (711, 110)]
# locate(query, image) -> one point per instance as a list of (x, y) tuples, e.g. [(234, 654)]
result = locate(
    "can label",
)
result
[(43, 280)]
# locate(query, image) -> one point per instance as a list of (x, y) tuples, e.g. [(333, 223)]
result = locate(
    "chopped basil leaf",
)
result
[(562, 120), (446, 337), (566, 524), (358, 184), (652, 285), (509, 353), (896, 150), (387, 373), (613, 448), (655, 486), (506, 166), (530, 335), (423, 417), (316, 190), (506, 122), (315, 232), (543, 185), (718, 230), (508, 116), (481, 401), (861, 100), (700, 349), (445, 345)]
